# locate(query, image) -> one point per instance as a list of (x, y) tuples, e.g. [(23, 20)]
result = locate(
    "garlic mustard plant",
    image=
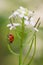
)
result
[(26, 19)]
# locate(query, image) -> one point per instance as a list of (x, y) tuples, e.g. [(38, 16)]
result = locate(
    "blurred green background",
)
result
[(6, 8)]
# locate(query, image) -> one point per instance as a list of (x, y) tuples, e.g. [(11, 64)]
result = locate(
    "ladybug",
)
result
[(11, 38)]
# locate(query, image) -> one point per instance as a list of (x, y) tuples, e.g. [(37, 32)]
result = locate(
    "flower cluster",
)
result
[(28, 18)]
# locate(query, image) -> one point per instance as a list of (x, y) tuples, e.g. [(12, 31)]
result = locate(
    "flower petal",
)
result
[(16, 24), (36, 29), (21, 8), (26, 17), (9, 25), (26, 22), (15, 13), (11, 16), (32, 22)]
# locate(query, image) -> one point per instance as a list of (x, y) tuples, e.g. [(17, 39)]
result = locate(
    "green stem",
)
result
[(33, 52), (29, 48), (29, 39), (28, 51), (12, 50), (11, 21), (21, 46)]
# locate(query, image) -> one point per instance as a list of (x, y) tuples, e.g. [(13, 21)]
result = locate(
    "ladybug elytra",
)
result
[(11, 38)]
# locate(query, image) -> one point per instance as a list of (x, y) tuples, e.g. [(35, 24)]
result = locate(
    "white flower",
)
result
[(26, 17), (22, 12), (26, 22), (14, 25), (26, 14), (32, 22), (15, 13), (23, 9), (21, 15)]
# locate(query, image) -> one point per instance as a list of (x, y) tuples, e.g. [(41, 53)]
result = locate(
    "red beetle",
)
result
[(11, 38)]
